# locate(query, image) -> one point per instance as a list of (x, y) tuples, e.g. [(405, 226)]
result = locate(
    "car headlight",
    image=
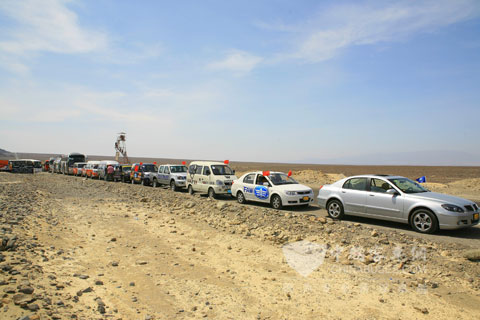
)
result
[(219, 182), (291, 193), (452, 207)]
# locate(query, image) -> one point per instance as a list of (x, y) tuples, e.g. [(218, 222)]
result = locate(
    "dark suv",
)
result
[(142, 170), (122, 173)]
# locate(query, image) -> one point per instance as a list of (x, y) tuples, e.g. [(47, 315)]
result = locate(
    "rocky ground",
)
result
[(80, 249)]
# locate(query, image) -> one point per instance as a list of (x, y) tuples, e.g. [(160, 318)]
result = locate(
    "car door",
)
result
[(206, 178), (166, 175), (198, 179), (248, 185), (159, 174), (381, 204), (261, 192), (354, 195)]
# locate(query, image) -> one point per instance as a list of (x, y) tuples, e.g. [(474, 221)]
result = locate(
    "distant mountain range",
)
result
[(5, 153), (420, 158)]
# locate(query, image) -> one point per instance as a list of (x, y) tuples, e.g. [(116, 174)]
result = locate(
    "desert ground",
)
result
[(86, 249)]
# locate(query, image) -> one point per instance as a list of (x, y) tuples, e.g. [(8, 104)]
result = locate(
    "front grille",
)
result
[(303, 192), (469, 208)]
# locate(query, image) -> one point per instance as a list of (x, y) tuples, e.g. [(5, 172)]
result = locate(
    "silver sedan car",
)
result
[(396, 198)]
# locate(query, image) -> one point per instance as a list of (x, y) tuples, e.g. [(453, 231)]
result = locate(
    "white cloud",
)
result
[(47, 25), (43, 26), (343, 26), (238, 62)]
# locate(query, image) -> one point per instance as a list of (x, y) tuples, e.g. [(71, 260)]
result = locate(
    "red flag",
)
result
[(266, 173), (226, 162), (136, 168), (141, 163), (184, 163), (155, 162), (290, 173)]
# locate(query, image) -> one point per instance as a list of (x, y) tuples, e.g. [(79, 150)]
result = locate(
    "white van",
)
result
[(91, 169), (102, 168), (210, 177)]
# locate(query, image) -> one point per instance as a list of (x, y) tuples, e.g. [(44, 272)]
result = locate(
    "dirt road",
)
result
[(97, 250)]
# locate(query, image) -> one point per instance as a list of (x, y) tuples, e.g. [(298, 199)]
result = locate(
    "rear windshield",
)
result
[(177, 169), (407, 185), (281, 178), (221, 170), (149, 168)]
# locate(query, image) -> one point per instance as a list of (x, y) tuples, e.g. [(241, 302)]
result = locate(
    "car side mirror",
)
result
[(233, 171), (393, 192)]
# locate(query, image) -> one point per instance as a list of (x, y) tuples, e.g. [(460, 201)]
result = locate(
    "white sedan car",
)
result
[(276, 188)]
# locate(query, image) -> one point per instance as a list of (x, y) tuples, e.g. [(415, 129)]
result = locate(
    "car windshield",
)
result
[(177, 169), (150, 168), (281, 178), (407, 185), (221, 170)]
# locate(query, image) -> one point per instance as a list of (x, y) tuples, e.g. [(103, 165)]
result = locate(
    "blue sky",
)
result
[(281, 81)]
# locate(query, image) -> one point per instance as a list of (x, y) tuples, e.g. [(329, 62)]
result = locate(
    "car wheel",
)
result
[(173, 186), (155, 183), (211, 193), (190, 189), (276, 202), (241, 197), (335, 209), (424, 221)]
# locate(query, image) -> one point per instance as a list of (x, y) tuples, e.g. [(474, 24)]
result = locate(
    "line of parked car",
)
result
[(385, 197)]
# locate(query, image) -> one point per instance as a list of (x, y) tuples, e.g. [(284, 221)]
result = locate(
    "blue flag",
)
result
[(422, 179)]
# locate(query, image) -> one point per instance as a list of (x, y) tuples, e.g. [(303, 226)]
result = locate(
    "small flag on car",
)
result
[(422, 179)]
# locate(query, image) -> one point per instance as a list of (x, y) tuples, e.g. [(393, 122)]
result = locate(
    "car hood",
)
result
[(292, 187), (440, 197), (179, 174), (225, 177)]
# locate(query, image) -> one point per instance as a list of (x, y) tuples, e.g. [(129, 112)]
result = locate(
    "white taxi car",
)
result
[(276, 188)]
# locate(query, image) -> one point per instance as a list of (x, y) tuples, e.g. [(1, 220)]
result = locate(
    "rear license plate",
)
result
[(306, 198), (475, 216)]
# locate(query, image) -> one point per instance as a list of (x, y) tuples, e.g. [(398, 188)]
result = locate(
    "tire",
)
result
[(335, 209), (155, 183), (423, 221), (173, 186), (211, 193), (241, 197), (190, 189), (276, 202)]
